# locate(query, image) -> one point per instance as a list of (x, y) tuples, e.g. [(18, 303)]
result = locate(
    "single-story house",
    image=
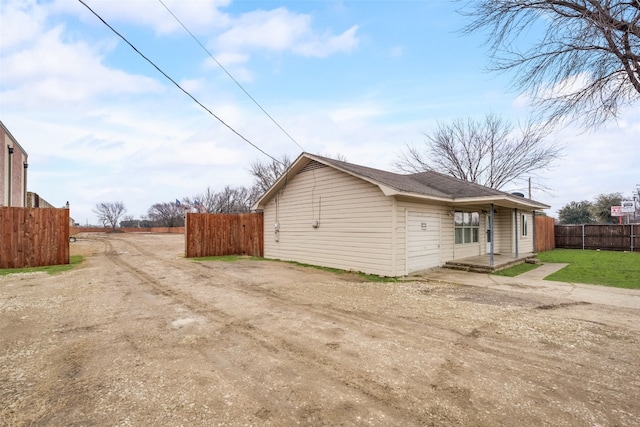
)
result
[(331, 213)]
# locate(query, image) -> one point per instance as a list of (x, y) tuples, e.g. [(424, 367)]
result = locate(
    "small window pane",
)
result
[(475, 219), (475, 235), (467, 235), (467, 218), (458, 236), (458, 218)]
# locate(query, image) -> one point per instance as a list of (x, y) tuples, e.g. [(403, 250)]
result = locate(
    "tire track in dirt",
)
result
[(158, 288), (376, 391), (468, 342)]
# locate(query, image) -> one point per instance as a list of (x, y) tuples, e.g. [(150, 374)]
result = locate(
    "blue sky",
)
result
[(357, 78)]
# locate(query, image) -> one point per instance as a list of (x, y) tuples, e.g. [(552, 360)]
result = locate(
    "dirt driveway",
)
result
[(140, 336)]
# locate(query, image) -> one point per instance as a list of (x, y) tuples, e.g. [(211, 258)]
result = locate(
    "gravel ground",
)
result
[(139, 336)]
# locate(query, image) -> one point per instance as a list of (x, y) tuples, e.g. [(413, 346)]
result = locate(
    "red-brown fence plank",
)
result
[(545, 233), (33, 237), (224, 234)]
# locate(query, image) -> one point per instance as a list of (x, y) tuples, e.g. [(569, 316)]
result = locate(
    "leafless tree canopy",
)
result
[(485, 152), (265, 174), (167, 214), (586, 63), (109, 213), (229, 200)]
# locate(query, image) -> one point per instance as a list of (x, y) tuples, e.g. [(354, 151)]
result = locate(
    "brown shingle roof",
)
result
[(429, 183)]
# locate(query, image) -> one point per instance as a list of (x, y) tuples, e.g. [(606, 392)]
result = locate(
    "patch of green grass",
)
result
[(74, 260), (516, 270), (608, 268)]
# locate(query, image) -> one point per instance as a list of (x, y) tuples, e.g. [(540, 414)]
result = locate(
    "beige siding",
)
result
[(503, 224), (525, 243), (354, 219), (445, 239), (506, 232)]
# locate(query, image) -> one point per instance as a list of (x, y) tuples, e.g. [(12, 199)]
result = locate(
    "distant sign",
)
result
[(616, 210), (628, 206)]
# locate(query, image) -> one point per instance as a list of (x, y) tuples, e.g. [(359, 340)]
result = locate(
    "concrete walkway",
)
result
[(542, 271), (532, 283)]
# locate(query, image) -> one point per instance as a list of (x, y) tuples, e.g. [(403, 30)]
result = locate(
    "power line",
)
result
[(230, 76), (178, 86)]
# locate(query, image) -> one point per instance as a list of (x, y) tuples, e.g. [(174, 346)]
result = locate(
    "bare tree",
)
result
[(485, 152), (203, 202), (233, 200), (265, 174), (109, 213), (229, 200), (586, 65), (166, 214)]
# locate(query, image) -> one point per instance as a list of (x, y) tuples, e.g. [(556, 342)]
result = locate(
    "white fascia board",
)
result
[(506, 201), (388, 191)]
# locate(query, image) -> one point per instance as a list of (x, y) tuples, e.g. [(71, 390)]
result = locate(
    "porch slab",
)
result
[(482, 263)]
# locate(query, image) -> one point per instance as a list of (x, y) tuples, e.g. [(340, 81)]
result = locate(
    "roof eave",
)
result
[(504, 201)]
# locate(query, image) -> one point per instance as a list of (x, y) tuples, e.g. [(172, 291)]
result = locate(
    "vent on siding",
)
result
[(312, 165)]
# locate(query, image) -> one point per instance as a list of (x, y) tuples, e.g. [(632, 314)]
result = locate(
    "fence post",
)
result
[(583, 237), (631, 225)]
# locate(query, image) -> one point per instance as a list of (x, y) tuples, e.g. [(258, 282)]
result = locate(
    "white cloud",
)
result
[(191, 85), (280, 30), (50, 71), (227, 59), (21, 21), (199, 16), (606, 160)]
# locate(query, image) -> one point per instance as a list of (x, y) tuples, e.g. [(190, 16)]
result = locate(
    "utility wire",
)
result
[(178, 86), (229, 74)]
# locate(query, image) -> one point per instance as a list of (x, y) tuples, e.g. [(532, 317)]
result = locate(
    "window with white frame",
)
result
[(525, 228), (467, 227)]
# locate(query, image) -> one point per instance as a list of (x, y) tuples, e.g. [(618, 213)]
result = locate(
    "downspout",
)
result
[(491, 234), (515, 222), (10, 168), (24, 202)]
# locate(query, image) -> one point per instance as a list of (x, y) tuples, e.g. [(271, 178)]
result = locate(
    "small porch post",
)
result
[(515, 222), (533, 219), (491, 235)]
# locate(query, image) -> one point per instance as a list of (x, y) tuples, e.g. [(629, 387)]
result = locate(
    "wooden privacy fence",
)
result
[(33, 237), (599, 236), (224, 234), (545, 233)]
